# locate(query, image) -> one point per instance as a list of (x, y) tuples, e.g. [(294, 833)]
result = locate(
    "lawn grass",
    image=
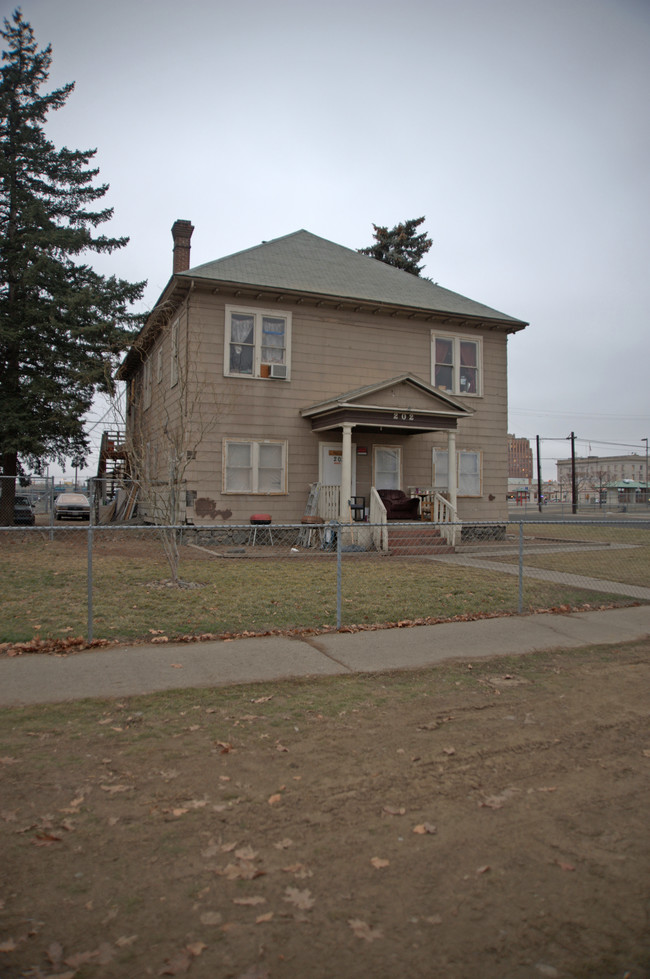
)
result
[(610, 553), (45, 590)]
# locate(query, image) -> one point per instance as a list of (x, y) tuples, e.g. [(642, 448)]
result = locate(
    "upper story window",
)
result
[(147, 382), (257, 343), (456, 364), (173, 370)]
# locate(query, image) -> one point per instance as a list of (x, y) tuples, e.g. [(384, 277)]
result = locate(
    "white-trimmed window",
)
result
[(173, 375), (147, 382), (257, 343), (456, 364), (254, 466), (468, 471)]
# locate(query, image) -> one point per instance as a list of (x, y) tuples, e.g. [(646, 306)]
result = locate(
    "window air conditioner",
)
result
[(279, 371)]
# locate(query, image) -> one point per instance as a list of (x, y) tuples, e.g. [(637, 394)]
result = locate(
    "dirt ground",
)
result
[(484, 819)]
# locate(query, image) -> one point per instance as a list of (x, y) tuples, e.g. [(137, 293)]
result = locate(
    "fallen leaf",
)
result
[(114, 789), (275, 798), (564, 866), (263, 918), (249, 901), (245, 853), (211, 918), (394, 810), (298, 870), (378, 863), (75, 961), (423, 828), (283, 844), (363, 930), (255, 972), (449, 751), (225, 747), (124, 941), (45, 839), (483, 870), (300, 899), (8, 946), (178, 965), (262, 700), (195, 948), (55, 954)]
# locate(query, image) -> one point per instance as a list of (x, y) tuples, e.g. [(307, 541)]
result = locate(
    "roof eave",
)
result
[(350, 303)]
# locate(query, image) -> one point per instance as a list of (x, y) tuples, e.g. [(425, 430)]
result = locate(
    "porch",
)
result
[(435, 531)]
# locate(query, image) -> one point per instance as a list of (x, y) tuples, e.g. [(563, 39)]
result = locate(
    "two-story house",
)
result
[(300, 361)]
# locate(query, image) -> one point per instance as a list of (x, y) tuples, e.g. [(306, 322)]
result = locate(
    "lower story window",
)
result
[(468, 471), (254, 466)]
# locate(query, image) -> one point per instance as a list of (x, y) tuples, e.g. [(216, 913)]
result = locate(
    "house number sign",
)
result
[(404, 415)]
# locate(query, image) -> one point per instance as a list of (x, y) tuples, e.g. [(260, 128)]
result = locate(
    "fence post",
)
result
[(339, 575), (50, 503), (91, 530), (520, 603)]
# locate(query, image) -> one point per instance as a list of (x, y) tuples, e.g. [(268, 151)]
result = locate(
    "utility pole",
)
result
[(574, 494), (646, 470), (539, 478)]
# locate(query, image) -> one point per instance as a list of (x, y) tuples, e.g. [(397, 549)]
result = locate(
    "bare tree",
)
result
[(165, 432)]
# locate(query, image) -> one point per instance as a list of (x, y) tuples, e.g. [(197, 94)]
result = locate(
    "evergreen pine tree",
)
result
[(401, 246), (62, 325)]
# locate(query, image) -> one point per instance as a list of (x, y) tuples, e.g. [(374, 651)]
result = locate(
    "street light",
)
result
[(646, 470)]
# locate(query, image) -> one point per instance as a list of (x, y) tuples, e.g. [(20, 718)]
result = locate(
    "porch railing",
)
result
[(443, 513), (378, 521), (329, 501)]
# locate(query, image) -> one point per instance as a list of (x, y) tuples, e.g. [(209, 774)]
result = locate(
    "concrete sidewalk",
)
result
[(123, 671)]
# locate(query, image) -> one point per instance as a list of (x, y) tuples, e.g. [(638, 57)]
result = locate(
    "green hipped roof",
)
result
[(304, 263)]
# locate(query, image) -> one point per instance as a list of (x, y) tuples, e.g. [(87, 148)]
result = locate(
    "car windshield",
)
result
[(72, 498)]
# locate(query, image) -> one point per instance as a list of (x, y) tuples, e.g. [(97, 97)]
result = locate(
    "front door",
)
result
[(387, 467), (330, 465)]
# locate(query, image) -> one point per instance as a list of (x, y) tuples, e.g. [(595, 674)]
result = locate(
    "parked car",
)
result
[(71, 506), (23, 511)]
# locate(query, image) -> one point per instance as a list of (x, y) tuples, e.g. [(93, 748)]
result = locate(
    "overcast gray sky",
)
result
[(519, 128)]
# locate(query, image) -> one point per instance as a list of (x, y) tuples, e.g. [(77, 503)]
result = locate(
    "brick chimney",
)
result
[(182, 234)]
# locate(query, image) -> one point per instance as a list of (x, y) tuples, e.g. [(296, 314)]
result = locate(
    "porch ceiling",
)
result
[(383, 420), (416, 408)]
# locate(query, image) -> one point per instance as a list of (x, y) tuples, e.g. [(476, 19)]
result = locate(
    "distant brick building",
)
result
[(520, 458)]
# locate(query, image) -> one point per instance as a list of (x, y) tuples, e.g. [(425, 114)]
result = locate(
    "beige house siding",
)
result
[(332, 352)]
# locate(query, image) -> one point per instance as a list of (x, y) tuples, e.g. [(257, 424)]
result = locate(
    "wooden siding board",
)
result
[(331, 354)]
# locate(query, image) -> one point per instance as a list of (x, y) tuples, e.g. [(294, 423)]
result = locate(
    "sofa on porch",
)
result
[(399, 506)]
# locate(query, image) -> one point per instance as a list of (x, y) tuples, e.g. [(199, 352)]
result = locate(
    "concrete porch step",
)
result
[(417, 539)]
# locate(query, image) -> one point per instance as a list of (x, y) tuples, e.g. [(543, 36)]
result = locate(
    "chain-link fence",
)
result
[(120, 583)]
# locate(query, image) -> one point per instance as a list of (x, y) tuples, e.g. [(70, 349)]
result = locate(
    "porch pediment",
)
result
[(403, 404)]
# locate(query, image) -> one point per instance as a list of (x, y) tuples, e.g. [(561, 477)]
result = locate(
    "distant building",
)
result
[(595, 473), (520, 458)]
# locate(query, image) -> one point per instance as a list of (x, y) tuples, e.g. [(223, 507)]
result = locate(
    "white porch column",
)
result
[(452, 469), (346, 474)]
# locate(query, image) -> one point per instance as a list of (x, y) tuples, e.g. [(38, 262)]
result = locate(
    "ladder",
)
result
[(311, 510), (311, 507)]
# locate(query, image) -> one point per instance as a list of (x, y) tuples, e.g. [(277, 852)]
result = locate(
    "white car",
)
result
[(71, 506)]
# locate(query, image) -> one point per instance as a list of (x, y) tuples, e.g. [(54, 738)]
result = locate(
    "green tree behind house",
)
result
[(62, 324), (401, 247)]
